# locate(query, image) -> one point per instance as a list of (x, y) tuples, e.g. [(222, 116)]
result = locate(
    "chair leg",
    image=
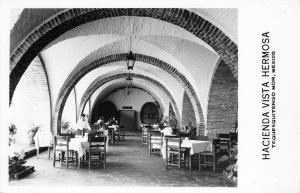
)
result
[(104, 157), (54, 157), (89, 160), (48, 152), (214, 163), (199, 161), (189, 160), (67, 159), (179, 160), (76, 154)]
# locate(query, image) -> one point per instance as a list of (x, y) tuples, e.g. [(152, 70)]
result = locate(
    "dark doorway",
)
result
[(106, 110), (149, 114)]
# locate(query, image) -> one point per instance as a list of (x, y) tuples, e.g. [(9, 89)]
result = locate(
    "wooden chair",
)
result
[(196, 157), (233, 145), (61, 145), (95, 128), (175, 154), (154, 141), (111, 135), (96, 154), (212, 155), (145, 135), (224, 143), (122, 131)]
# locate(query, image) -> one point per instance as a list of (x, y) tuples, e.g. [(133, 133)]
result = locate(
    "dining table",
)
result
[(193, 146), (81, 144)]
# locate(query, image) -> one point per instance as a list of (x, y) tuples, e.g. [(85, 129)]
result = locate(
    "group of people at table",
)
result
[(83, 124)]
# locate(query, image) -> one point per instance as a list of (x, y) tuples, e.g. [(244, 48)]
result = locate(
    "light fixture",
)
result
[(129, 82), (130, 64), (130, 60)]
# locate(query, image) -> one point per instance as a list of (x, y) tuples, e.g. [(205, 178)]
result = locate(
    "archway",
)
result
[(25, 49), (77, 74), (149, 114), (106, 109)]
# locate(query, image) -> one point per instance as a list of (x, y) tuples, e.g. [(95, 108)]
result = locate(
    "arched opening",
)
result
[(149, 114), (105, 109)]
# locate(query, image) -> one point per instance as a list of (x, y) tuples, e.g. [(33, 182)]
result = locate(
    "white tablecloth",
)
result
[(81, 144), (195, 146), (115, 127)]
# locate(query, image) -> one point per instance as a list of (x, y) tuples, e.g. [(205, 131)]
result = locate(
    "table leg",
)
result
[(199, 161), (190, 160), (37, 152), (48, 152)]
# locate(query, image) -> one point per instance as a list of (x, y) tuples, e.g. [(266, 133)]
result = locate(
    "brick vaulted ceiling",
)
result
[(191, 41)]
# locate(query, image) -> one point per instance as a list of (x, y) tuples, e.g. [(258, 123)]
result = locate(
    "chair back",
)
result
[(95, 127), (223, 136), (154, 133), (155, 137), (224, 144), (233, 138), (145, 130), (101, 132), (61, 141), (97, 140), (173, 142), (122, 128), (200, 138)]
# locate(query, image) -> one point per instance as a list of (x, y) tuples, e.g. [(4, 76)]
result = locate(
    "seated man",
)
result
[(82, 124), (114, 121), (100, 122)]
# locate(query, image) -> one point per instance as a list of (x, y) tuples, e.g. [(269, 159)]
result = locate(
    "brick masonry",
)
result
[(64, 20), (188, 114), (223, 100)]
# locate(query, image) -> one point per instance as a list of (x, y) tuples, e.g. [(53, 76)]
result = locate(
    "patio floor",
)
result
[(128, 164)]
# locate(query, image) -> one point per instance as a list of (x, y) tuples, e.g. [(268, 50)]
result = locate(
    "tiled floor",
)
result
[(128, 164)]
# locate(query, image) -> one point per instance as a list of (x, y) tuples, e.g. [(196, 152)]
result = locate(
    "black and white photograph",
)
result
[(127, 96)]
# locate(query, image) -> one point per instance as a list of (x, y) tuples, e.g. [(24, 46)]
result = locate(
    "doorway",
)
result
[(149, 114)]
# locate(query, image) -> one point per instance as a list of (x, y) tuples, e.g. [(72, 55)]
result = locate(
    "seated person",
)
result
[(83, 124), (113, 121), (100, 122)]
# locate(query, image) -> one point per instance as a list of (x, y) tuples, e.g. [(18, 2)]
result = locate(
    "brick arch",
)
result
[(102, 80), (76, 75), (68, 19)]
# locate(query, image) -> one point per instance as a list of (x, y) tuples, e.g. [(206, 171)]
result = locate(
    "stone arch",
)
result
[(67, 19), (76, 75), (101, 81)]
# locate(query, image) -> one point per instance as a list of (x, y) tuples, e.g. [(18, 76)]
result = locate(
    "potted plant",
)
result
[(232, 169), (65, 126), (12, 132), (31, 132), (16, 168)]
